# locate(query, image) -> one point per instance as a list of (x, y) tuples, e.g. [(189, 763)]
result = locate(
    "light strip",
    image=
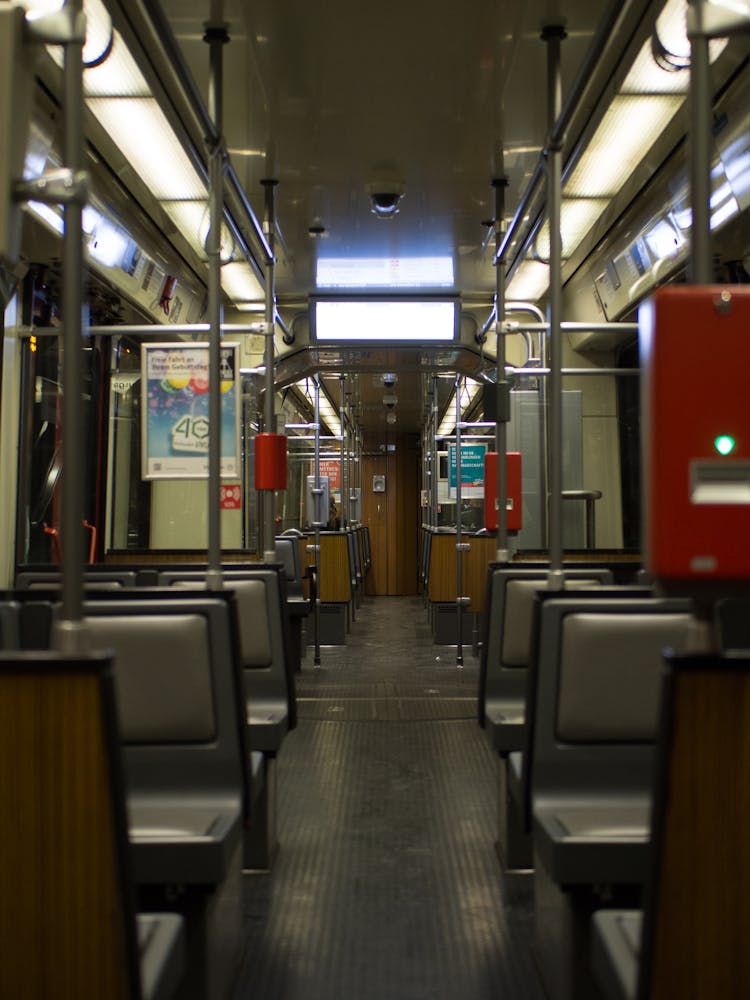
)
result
[(630, 126), (529, 282), (240, 282), (328, 413), (141, 131), (192, 219), (469, 390), (117, 75), (577, 216), (645, 76)]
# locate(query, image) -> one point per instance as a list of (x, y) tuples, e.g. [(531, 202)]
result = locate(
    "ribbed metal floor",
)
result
[(387, 886)]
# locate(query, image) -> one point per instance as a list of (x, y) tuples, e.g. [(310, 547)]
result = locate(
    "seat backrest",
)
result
[(351, 546), (10, 633), (733, 622), (263, 629), (286, 549), (334, 568), (95, 579), (598, 676), (697, 913), (178, 690), (509, 633), (67, 921)]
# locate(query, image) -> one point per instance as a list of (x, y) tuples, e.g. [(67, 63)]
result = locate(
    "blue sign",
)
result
[(472, 465)]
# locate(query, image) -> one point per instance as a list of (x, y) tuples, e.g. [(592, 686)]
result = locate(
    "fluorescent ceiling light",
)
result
[(117, 75), (468, 391), (141, 131), (529, 282), (329, 415), (192, 219), (646, 76), (448, 423), (239, 282), (577, 216), (328, 412), (723, 17), (384, 272), (250, 307), (630, 126), (350, 320), (38, 8)]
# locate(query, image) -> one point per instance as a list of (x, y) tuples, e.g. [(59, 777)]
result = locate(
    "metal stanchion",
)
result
[(216, 36), (70, 633), (553, 36)]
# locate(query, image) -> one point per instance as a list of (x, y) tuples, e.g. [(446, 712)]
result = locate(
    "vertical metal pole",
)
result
[(701, 271), (344, 505), (70, 636), (319, 515), (435, 459), (502, 554), (216, 37), (553, 36), (459, 541), (269, 418)]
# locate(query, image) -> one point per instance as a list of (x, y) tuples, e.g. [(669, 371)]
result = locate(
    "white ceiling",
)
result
[(329, 98)]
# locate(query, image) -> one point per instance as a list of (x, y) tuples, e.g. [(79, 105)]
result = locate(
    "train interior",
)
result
[(280, 283)]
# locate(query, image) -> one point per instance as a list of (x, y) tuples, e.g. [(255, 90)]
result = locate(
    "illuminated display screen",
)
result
[(384, 272), (384, 320)]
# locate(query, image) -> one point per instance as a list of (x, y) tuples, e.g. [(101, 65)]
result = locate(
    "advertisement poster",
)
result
[(472, 470), (175, 411)]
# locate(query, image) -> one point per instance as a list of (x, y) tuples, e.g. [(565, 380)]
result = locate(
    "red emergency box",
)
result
[(695, 363), (513, 484)]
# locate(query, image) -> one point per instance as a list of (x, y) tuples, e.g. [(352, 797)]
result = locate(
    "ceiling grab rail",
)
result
[(147, 22), (618, 13)]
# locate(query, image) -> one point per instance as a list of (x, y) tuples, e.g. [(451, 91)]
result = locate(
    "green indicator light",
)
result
[(724, 444)]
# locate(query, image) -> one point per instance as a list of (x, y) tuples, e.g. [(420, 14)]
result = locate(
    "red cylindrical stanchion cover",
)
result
[(270, 461)]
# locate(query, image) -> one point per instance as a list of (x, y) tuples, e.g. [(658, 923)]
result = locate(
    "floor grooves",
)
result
[(387, 886)]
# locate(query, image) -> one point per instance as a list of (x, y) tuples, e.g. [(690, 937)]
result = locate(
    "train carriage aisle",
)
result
[(387, 884)]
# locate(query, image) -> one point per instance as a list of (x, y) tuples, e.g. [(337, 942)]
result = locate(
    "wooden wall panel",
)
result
[(393, 516), (441, 585), (374, 514)]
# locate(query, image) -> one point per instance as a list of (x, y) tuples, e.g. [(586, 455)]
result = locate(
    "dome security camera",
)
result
[(385, 197), (389, 380), (389, 401)]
